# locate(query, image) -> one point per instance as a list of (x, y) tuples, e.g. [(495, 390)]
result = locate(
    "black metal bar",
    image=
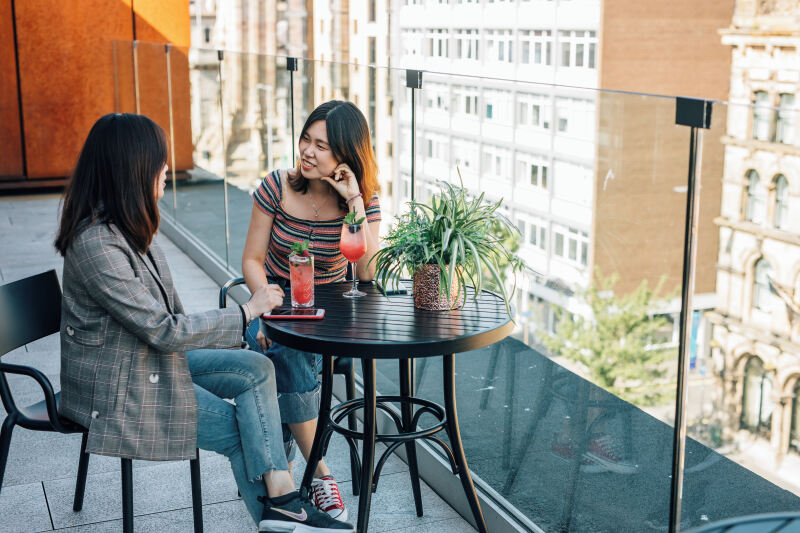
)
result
[(413, 82), (687, 289), (19, 92), (127, 495), (291, 66), (220, 57), (83, 468), (352, 425), (322, 423), (449, 371), (368, 446), (407, 411), (197, 494), (5, 443)]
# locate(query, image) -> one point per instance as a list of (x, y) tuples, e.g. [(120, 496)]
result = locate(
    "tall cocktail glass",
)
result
[(301, 276)]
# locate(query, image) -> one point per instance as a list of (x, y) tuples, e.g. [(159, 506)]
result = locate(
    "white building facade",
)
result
[(529, 141), (756, 334)]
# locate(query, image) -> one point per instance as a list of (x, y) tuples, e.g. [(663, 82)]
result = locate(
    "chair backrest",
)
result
[(29, 309)]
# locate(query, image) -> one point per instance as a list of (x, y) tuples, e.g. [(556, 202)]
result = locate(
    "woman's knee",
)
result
[(257, 367)]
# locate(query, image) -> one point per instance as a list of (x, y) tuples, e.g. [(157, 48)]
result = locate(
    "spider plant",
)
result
[(464, 236)]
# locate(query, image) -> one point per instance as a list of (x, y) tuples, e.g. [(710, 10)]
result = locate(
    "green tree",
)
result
[(618, 343)]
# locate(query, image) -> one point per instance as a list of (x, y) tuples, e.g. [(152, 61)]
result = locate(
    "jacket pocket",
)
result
[(84, 337)]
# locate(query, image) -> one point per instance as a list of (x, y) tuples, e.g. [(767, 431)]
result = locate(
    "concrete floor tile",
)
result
[(392, 505), (23, 509), (453, 525), (158, 488), (226, 517)]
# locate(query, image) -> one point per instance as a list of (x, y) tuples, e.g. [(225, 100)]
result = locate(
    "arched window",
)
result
[(756, 402), (756, 203), (781, 201), (762, 294), (794, 435)]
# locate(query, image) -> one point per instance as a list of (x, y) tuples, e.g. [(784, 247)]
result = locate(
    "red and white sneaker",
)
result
[(326, 497)]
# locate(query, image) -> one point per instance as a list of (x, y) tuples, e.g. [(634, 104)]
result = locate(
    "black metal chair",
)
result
[(30, 309), (341, 365)]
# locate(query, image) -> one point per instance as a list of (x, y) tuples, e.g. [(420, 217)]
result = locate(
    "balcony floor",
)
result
[(40, 476)]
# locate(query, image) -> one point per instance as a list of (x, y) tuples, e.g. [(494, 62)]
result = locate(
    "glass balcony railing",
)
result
[(568, 425)]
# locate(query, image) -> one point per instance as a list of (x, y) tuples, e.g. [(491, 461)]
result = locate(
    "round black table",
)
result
[(380, 327)]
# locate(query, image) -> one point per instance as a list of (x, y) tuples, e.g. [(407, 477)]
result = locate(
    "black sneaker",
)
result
[(291, 513)]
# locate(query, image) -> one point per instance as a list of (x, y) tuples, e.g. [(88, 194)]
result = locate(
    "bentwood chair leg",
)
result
[(197, 497), (453, 432), (352, 425), (83, 468), (5, 444), (322, 423), (127, 495), (368, 450), (407, 411)]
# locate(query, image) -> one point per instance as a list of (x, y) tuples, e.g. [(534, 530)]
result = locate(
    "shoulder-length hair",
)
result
[(114, 180), (349, 140)]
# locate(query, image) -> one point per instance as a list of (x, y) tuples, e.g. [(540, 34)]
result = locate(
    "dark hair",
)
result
[(348, 138), (114, 180)]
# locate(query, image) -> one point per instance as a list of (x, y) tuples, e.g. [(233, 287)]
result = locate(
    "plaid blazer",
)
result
[(124, 335)]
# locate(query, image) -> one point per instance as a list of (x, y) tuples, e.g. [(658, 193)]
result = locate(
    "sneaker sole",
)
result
[(279, 526)]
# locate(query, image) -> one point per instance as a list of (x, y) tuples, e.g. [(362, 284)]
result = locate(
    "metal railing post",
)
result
[(413, 82), (135, 52), (224, 162), (291, 66), (697, 115), (167, 49)]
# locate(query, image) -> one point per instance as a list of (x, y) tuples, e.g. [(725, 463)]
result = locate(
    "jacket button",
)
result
[(95, 414), (153, 378), (70, 331)]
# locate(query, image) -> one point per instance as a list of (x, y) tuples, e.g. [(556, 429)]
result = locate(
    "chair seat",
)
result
[(35, 417)]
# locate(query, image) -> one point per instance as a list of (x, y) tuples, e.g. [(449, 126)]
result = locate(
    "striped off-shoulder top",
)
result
[(323, 236)]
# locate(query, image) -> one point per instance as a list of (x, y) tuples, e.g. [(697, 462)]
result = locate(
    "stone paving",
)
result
[(39, 482)]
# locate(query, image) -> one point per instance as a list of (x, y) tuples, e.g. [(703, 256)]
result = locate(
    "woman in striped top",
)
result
[(336, 174)]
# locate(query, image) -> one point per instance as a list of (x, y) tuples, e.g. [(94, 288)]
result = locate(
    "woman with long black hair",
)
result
[(147, 380)]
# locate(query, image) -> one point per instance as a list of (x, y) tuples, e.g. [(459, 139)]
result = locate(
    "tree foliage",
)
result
[(617, 344)]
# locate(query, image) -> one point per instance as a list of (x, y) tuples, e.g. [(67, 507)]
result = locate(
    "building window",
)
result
[(762, 116), (371, 11), (794, 435), (559, 244), (762, 296), (577, 48), (785, 120), (756, 402), (756, 203), (781, 202), (467, 44), (207, 32)]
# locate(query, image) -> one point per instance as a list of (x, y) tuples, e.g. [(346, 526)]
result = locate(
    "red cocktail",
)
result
[(353, 246), (301, 277)]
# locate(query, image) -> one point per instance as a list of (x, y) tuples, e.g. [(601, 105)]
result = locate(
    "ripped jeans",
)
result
[(247, 433)]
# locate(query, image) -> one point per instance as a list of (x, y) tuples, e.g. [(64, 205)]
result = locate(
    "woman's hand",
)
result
[(343, 181), (265, 299), (263, 341)]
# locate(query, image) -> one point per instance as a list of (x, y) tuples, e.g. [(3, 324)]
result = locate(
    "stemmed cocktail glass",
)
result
[(353, 246)]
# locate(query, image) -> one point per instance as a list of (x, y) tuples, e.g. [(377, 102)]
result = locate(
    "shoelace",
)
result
[(326, 494)]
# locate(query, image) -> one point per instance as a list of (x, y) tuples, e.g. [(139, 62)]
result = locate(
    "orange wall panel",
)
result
[(160, 21), (11, 153), (66, 75)]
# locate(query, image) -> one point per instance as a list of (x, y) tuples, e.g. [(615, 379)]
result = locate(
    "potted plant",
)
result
[(447, 244)]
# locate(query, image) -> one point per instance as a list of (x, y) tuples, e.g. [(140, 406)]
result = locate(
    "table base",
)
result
[(406, 423)]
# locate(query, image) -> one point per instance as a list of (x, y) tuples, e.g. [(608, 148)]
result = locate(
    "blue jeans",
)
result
[(247, 433), (296, 376)]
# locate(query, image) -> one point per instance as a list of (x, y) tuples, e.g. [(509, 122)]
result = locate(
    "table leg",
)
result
[(407, 411), (449, 371), (368, 450), (322, 423)]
